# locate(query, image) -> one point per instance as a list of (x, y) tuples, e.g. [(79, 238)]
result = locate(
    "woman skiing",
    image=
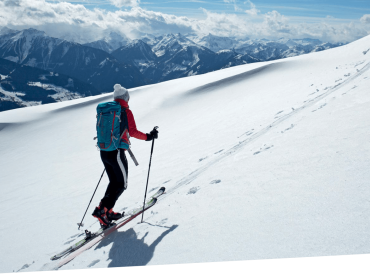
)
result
[(115, 162)]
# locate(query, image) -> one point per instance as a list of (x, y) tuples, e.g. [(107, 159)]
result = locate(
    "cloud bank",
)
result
[(75, 22), (127, 3), (365, 19)]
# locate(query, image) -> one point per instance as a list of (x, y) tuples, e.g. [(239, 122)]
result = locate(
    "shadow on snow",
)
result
[(129, 250)]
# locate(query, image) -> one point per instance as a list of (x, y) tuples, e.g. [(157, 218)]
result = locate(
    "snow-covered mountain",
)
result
[(116, 40), (179, 56), (188, 60), (175, 56), (229, 58), (151, 40), (171, 44), (22, 86), (265, 50), (100, 45), (304, 41), (110, 42), (216, 43), (33, 48), (6, 30), (136, 53), (260, 161)]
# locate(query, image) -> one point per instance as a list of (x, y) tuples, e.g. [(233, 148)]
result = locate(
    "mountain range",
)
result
[(34, 48), (132, 63)]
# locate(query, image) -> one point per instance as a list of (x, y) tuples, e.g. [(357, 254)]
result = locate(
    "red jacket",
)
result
[(132, 130)]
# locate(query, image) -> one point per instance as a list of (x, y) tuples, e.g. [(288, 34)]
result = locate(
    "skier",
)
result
[(115, 163)]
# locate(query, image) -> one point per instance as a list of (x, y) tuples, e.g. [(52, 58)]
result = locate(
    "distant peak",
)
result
[(114, 34), (137, 42), (33, 32), (6, 30)]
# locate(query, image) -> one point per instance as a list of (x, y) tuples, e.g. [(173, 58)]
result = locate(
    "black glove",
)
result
[(152, 135)]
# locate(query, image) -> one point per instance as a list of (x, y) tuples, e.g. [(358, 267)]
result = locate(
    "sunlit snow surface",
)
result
[(260, 161)]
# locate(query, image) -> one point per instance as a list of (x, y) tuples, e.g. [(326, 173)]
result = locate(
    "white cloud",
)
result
[(253, 10), (127, 3), (276, 22), (365, 19), (236, 8), (221, 24), (60, 19)]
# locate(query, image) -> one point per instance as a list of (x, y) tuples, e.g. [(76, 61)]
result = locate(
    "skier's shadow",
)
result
[(128, 250)]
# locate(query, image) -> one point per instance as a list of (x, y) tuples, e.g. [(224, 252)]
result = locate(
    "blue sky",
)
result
[(340, 9), (305, 8)]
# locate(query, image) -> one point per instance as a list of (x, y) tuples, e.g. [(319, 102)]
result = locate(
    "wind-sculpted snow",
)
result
[(239, 78)]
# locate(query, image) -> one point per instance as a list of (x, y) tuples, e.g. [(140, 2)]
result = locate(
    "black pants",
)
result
[(115, 163)]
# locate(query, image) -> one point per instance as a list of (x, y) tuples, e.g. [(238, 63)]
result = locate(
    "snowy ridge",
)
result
[(260, 161)]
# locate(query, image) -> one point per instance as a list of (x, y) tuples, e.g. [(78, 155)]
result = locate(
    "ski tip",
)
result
[(162, 189)]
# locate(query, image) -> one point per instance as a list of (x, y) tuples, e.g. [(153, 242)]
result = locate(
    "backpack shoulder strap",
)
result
[(124, 121)]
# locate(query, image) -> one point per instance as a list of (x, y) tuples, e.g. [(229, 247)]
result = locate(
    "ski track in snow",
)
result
[(222, 155)]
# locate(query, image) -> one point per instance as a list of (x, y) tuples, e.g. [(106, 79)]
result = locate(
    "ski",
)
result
[(93, 238)]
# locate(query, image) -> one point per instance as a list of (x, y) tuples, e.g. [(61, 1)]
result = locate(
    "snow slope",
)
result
[(260, 161)]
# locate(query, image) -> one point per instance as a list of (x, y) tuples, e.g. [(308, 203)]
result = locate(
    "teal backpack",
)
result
[(111, 123)]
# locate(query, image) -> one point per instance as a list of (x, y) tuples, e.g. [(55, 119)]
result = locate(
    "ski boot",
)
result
[(101, 215), (114, 216)]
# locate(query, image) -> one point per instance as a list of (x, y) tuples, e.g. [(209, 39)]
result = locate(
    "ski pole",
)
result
[(81, 224), (147, 180)]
